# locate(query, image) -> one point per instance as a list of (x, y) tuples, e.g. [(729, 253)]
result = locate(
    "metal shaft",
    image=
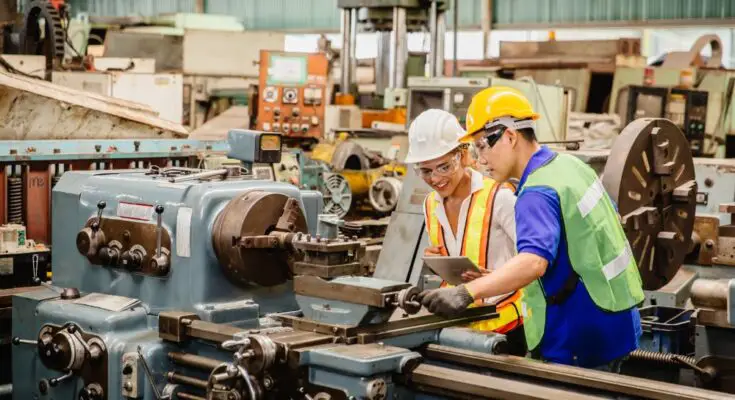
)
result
[(455, 28), (194, 361), (188, 396), (345, 61), (200, 175), (383, 62), (400, 48), (174, 377), (441, 34), (432, 38), (563, 374)]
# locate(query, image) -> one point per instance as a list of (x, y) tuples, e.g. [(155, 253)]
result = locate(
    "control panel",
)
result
[(686, 108), (293, 93), (450, 94)]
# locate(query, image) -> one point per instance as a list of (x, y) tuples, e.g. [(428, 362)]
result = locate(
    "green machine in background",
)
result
[(697, 96)]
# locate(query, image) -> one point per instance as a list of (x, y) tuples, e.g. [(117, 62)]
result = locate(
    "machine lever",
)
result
[(18, 341), (149, 375), (55, 381), (159, 211), (160, 261), (98, 224)]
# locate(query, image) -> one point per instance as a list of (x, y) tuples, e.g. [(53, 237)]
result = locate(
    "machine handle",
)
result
[(18, 341), (100, 206), (159, 229), (55, 381)]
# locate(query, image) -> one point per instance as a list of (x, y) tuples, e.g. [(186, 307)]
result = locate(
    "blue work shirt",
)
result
[(577, 331)]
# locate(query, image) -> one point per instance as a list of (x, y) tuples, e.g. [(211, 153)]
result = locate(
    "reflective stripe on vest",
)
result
[(474, 247), (598, 249)]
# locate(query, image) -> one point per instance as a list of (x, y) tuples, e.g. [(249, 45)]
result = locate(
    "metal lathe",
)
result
[(178, 283)]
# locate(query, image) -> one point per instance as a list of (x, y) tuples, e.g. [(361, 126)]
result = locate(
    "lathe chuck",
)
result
[(251, 214), (650, 176)]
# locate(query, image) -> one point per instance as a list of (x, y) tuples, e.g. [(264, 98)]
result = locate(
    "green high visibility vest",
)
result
[(598, 249)]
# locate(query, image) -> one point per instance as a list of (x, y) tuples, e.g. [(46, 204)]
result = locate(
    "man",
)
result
[(581, 283), (466, 214)]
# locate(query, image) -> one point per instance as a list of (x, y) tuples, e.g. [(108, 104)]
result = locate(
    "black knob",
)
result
[(53, 382), (90, 393), (16, 341), (159, 209), (101, 205), (43, 386)]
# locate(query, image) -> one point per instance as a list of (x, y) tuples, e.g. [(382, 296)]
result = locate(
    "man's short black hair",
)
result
[(528, 134)]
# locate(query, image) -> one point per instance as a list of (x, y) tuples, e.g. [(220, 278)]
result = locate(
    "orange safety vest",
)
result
[(474, 247)]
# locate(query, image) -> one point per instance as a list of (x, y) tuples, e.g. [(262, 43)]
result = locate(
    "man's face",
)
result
[(496, 153), (443, 174)]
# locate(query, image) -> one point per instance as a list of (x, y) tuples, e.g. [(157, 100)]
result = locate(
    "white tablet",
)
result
[(450, 268)]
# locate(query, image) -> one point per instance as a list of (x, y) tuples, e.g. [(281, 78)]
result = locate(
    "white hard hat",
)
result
[(431, 135)]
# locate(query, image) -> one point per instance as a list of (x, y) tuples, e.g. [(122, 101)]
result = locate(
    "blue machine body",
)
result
[(195, 282)]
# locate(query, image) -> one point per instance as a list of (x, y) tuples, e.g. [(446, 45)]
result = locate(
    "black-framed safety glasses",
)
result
[(490, 137)]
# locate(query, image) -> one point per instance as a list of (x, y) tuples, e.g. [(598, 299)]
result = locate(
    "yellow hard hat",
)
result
[(493, 103)]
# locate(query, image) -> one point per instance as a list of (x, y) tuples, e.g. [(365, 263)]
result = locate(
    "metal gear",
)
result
[(52, 44), (650, 176)]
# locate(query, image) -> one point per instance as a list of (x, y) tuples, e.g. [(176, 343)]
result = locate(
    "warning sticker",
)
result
[(136, 211)]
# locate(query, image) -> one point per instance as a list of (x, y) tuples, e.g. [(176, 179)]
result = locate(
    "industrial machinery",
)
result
[(392, 20), (262, 300), (30, 169), (676, 211), (685, 107), (449, 94), (293, 94)]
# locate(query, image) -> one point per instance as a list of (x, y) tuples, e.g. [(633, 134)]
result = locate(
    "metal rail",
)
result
[(592, 379), (462, 384)]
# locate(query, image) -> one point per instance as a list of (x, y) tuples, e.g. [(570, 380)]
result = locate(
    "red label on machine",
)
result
[(136, 211)]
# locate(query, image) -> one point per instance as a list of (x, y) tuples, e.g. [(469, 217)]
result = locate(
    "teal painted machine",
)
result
[(174, 282)]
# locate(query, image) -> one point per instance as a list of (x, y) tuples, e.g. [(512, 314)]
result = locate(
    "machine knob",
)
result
[(109, 255), (89, 240), (131, 259), (91, 392)]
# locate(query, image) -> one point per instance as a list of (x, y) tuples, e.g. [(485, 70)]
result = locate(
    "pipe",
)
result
[(382, 62), (441, 36), (486, 23), (353, 46), (346, 51), (455, 28), (432, 38), (194, 361)]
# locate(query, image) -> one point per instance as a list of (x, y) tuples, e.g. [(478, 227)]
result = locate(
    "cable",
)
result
[(8, 67)]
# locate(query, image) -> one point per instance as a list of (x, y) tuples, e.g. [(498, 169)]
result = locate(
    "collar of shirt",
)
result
[(538, 159), (452, 242)]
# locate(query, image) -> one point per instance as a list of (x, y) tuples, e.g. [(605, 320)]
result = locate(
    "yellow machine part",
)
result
[(361, 180)]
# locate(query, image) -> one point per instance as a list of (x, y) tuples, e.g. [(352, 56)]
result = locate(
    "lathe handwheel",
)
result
[(650, 176)]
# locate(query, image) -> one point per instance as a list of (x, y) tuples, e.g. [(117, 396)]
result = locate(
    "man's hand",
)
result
[(446, 302), (433, 251), (471, 275)]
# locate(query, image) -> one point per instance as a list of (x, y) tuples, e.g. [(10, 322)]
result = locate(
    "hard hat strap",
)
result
[(510, 122)]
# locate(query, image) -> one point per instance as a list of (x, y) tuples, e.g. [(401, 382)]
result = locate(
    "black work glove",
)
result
[(446, 302)]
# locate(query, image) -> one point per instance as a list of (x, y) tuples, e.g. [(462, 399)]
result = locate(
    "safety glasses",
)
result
[(442, 170), (490, 138)]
